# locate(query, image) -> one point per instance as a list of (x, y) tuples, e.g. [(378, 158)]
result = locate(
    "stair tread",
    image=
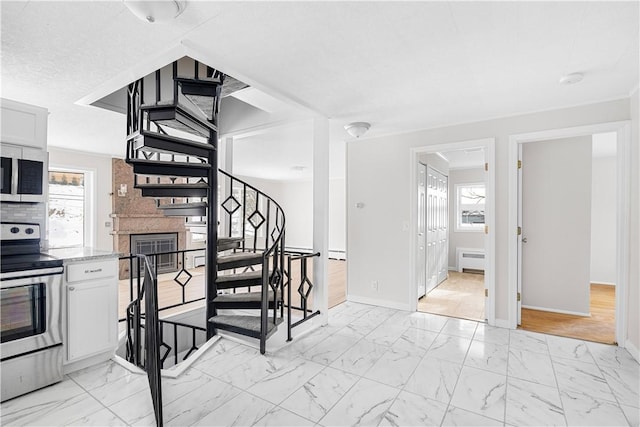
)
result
[(247, 275), (194, 121), (177, 139), (246, 323), (183, 205), (178, 185), (170, 163), (238, 256), (242, 297)]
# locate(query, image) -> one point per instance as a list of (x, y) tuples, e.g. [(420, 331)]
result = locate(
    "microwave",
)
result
[(24, 174)]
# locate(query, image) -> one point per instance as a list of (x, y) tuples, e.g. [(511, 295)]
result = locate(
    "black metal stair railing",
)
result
[(145, 351), (304, 288), (251, 214)]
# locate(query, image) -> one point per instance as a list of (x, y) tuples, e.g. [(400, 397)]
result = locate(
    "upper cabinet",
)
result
[(23, 124)]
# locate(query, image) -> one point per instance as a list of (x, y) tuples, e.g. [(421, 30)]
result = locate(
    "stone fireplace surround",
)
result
[(134, 214)]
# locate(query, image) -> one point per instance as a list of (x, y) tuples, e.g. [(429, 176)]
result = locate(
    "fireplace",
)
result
[(157, 243)]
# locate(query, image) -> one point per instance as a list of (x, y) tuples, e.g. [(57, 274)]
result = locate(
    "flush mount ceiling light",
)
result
[(156, 11), (357, 129), (571, 79)]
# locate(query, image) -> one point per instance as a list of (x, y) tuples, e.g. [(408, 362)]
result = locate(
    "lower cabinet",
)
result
[(91, 290)]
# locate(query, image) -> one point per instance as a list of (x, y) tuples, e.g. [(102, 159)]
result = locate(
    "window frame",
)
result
[(89, 226), (459, 226)]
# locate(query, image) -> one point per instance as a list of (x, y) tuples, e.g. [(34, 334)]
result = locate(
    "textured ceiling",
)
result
[(399, 65)]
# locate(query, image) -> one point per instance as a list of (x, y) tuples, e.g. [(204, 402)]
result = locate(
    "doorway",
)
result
[(578, 291), (453, 247), (568, 237)]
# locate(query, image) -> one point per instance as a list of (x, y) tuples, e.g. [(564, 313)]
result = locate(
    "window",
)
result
[(68, 217), (470, 200)]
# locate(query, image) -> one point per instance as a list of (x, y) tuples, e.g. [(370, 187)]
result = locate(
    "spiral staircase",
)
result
[(172, 123)]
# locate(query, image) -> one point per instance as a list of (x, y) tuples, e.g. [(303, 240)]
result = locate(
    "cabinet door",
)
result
[(92, 321), (24, 124)]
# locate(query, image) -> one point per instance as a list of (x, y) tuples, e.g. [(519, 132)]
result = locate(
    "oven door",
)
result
[(30, 309)]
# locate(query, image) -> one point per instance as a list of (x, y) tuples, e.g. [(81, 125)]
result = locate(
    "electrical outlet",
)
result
[(374, 285)]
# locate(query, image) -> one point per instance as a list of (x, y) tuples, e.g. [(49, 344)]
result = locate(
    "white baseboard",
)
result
[(553, 310), (602, 283), (632, 349), (454, 268), (378, 302)]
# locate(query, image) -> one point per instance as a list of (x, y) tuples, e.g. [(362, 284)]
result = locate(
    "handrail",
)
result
[(152, 339), (274, 236), (304, 278)]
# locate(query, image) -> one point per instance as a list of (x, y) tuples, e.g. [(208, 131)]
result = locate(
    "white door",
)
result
[(556, 225), (421, 261), (436, 228)]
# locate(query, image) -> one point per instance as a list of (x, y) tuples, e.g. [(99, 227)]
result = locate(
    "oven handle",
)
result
[(22, 277)]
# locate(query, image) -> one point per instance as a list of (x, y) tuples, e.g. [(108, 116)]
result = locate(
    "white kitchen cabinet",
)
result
[(23, 124), (91, 290)]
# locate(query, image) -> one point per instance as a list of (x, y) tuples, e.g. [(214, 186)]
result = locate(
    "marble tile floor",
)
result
[(370, 366)]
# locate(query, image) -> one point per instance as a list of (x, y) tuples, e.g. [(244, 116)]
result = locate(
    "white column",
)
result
[(321, 215), (225, 162), (225, 154)]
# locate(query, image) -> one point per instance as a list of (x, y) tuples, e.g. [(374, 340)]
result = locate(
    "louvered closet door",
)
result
[(437, 227), (421, 261)]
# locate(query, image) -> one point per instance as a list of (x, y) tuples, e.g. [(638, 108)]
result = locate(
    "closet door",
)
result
[(421, 261), (437, 227)]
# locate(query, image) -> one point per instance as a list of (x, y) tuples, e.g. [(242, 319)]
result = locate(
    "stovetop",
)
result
[(11, 263), (20, 248)]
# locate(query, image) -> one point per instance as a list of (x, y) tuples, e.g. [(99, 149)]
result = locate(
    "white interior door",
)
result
[(556, 225), (421, 261), (436, 228)]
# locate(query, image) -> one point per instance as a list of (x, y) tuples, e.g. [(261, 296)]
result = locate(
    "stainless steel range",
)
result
[(30, 308)]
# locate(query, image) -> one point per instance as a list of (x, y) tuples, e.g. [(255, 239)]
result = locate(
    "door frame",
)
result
[(623, 181), (490, 238)]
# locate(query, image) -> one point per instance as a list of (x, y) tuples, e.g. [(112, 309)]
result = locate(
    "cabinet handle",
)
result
[(97, 270), (72, 288)]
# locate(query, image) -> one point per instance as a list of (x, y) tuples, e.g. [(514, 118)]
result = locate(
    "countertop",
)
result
[(81, 254)]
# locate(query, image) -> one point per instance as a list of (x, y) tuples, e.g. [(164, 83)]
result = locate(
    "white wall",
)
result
[(296, 198), (633, 302), (603, 220), (100, 165), (462, 239), (378, 175)]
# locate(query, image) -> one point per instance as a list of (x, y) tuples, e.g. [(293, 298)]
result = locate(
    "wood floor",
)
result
[(600, 327), (460, 295)]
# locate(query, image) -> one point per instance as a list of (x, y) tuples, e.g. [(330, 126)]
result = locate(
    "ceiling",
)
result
[(401, 66)]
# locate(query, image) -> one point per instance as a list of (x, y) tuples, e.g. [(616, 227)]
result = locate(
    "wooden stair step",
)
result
[(238, 259), (244, 325)]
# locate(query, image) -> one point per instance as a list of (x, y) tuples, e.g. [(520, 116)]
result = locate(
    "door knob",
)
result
[(524, 240)]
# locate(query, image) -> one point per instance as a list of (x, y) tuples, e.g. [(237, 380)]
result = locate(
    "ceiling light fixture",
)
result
[(357, 129), (572, 78), (156, 11)]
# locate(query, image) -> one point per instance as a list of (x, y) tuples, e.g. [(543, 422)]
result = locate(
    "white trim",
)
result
[(553, 310), (459, 228), (489, 277), (176, 370), (622, 228), (603, 283), (378, 302), (633, 351)]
